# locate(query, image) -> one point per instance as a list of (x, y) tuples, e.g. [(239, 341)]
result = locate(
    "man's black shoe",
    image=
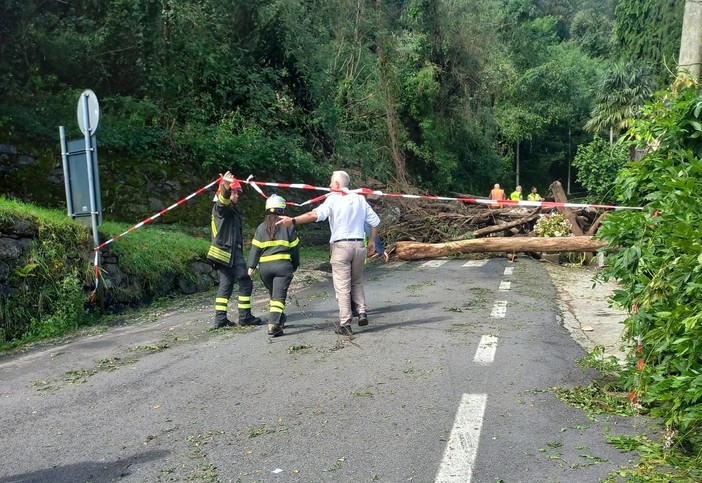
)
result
[(344, 330), (362, 319)]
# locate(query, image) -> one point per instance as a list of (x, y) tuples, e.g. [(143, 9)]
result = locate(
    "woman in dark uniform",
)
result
[(275, 251)]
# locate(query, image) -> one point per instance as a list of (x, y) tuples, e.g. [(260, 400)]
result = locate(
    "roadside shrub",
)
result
[(67, 314), (659, 259), (553, 225), (598, 164)]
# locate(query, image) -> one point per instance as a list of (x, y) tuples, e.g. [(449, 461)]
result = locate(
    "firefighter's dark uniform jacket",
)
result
[(227, 254), (277, 259), (282, 250), (227, 230)]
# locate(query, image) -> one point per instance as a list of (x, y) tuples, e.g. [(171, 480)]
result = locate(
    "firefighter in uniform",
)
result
[(227, 254), (275, 251)]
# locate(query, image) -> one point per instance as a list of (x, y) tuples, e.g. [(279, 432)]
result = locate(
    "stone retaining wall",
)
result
[(118, 289)]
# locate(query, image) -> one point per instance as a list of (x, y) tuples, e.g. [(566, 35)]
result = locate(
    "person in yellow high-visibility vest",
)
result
[(516, 194), (534, 195), (275, 250)]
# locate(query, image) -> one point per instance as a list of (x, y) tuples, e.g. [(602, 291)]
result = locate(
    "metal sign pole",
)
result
[(64, 159), (87, 131)]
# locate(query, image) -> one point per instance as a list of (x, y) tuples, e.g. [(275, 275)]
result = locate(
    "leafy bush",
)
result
[(598, 164), (553, 225), (659, 260), (46, 292)]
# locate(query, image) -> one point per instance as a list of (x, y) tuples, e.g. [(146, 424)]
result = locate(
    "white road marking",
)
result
[(433, 263), (393, 264), (509, 270), (499, 309), (485, 353), (475, 263), (505, 286), (462, 446)]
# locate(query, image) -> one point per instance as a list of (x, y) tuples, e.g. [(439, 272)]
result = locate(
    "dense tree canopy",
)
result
[(437, 94)]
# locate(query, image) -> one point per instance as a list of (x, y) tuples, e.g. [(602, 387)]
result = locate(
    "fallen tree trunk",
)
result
[(408, 250), (560, 197), (502, 227)]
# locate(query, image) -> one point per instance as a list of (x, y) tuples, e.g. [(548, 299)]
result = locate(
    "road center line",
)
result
[(499, 309), (462, 446), (485, 353), (505, 286), (509, 270)]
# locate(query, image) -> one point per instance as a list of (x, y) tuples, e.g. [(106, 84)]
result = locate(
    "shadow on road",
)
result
[(94, 471)]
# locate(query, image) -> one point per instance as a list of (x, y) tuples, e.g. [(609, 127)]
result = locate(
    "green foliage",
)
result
[(659, 260), (621, 91), (592, 32), (153, 255), (598, 164), (48, 298), (553, 225), (51, 285), (67, 314), (658, 463), (544, 100), (649, 31), (289, 90)]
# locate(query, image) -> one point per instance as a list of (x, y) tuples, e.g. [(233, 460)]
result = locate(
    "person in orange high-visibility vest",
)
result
[(497, 193)]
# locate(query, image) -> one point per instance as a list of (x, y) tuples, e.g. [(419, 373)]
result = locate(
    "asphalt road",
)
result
[(451, 381)]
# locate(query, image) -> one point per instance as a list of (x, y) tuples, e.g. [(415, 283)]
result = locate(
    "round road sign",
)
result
[(93, 111)]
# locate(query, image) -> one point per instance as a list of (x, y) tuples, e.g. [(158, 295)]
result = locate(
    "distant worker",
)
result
[(534, 195), (497, 193), (227, 254), (275, 250), (516, 194)]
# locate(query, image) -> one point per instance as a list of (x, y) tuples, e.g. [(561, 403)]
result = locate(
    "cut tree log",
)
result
[(596, 224), (408, 250), (502, 227), (560, 197)]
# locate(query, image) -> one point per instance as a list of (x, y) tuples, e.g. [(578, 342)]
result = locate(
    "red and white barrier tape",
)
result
[(97, 249), (478, 201), (364, 191)]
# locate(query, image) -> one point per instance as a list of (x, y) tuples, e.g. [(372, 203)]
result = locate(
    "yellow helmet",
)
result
[(275, 204)]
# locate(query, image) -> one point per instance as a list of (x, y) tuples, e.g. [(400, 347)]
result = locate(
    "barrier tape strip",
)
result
[(363, 191), (96, 263), (478, 201)]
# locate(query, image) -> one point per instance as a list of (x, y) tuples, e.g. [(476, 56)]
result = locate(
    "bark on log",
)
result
[(407, 250), (493, 229), (560, 197), (596, 224)]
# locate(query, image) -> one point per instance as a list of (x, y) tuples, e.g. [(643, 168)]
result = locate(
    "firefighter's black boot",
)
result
[(221, 320), (246, 318)]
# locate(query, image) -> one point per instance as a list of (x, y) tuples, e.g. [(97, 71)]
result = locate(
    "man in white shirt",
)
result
[(347, 213)]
